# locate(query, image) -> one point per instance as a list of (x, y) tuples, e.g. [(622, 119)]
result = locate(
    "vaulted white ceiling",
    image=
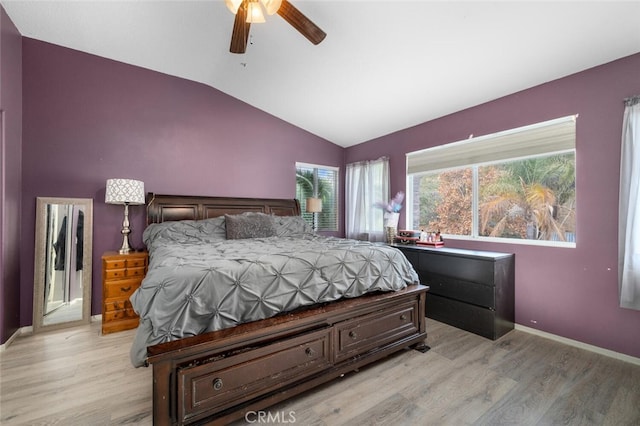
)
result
[(384, 65)]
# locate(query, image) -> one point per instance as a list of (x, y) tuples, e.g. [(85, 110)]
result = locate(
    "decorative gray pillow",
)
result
[(186, 231), (249, 225), (291, 226)]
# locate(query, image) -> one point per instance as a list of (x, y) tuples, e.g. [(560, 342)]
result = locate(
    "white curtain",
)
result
[(367, 183), (629, 212)]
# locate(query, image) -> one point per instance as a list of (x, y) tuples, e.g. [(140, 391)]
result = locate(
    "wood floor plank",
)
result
[(79, 377)]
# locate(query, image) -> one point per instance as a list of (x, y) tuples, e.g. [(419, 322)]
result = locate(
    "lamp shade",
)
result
[(124, 191), (314, 205)]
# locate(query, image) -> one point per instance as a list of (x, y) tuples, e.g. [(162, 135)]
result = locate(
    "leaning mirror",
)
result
[(62, 269)]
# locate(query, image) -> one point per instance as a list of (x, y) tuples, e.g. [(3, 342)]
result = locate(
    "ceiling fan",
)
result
[(250, 11)]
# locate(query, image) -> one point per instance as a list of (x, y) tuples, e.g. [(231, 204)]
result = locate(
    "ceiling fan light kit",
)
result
[(255, 15), (250, 11)]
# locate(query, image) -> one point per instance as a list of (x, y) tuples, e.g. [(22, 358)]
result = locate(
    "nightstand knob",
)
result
[(353, 334), (217, 384), (309, 352), (403, 317)]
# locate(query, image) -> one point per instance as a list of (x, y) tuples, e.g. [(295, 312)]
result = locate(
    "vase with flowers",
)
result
[(391, 216)]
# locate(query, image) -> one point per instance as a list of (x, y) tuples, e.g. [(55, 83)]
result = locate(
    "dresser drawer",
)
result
[(462, 315), (462, 268), (478, 294), (364, 333), (120, 289), (234, 379)]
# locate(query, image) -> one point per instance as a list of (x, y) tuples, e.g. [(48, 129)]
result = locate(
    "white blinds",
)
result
[(537, 139), (323, 183)]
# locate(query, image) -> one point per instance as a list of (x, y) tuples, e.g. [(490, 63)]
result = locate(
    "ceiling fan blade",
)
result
[(301, 23), (240, 33)]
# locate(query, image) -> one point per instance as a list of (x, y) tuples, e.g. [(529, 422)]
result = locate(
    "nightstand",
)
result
[(121, 276)]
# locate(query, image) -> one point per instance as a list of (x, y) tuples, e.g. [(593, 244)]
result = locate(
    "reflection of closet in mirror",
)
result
[(63, 263), (62, 277)]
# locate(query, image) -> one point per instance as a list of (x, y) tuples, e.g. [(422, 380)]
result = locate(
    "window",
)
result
[(516, 185), (321, 182)]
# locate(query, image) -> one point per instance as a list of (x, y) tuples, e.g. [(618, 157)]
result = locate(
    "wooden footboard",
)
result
[(220, 376)]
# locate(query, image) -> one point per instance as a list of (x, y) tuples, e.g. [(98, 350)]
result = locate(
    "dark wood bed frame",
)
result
[(221, 376)]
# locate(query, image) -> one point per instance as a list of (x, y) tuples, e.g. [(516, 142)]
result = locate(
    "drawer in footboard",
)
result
[(223, 383), (374, 330)]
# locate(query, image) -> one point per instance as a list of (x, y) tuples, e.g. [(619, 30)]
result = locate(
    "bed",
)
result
[(243, 306)]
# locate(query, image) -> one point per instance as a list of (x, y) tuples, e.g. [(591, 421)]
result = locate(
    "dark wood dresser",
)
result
[(469, 289), (121, 276)]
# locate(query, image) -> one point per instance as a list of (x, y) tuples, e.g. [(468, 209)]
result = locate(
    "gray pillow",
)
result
[(249, 225), (291, 226)]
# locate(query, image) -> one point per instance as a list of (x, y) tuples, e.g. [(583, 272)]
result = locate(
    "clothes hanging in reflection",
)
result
[(60, 246), (79, 240)]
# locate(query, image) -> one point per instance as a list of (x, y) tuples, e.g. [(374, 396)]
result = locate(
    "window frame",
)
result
[(475, 182)]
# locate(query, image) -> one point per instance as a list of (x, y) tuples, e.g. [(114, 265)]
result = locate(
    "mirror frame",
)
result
[(39, 262)]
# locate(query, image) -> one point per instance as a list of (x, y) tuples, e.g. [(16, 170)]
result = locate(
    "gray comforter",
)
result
[(198, 283)]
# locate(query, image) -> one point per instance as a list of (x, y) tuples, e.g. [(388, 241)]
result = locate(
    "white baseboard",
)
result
[(19, 332), (580, 345)]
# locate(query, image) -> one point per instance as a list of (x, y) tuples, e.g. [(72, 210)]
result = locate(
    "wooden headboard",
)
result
[(162, 208)]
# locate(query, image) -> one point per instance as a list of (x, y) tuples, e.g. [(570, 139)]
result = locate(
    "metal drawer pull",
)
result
[(309, 352), (217, 384), (125, 288), (403, 317), (353, 334)]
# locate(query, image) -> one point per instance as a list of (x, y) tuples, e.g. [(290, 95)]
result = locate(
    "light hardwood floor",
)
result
[(78, 377)]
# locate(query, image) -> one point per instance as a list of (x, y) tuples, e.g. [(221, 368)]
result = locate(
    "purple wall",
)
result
[(567, 292), (87, 119), (10, 174)]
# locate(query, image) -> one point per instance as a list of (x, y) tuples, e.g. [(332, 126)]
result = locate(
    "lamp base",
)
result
[(126, 248)]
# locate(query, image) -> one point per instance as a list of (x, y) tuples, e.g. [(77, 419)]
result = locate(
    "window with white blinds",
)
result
[(319, 181), (553, 136)]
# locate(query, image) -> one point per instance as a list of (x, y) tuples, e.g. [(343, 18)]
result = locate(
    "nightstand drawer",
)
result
[(138, 262), (120, 288), (117, 305), (110, 274), (114, 263), (136, 272)]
